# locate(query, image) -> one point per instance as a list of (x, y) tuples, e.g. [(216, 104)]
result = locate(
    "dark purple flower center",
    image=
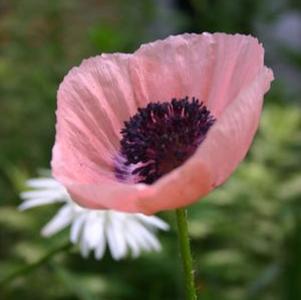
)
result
[(160, 137)]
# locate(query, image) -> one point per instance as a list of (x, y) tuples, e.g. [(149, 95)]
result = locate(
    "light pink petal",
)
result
[(229, 139), (180, 187), (238, 59), (178, 66), (109, 194), (201, 65), (93, 101)]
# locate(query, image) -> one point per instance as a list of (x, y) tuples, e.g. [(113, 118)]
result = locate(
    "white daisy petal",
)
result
[(53, 194), (145, 237), (152, 241), (93, 229), (101, 246), (61, 220), (84, 248), (40, 183), (77, 228), (134, 232), (153, 221), (37, 202), (132, 243), (116, 239), (100, 250)]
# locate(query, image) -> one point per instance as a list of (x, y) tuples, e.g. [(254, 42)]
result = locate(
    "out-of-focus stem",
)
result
[(31, 267)]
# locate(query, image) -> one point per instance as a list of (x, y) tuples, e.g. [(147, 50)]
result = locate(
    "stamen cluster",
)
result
[(161, 136)]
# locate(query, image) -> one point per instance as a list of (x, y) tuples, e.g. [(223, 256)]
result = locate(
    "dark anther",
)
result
[(160, 137)]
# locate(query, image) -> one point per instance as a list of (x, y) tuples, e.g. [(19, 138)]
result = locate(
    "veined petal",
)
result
[(230, 138), (175, 67), (108, 194), (188, 182), (93, 101), (238, 59)]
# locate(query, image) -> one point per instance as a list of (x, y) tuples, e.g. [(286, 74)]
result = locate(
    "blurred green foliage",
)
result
[(245, 236)]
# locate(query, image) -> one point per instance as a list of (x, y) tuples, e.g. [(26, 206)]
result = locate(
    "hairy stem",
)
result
[(186, 257)]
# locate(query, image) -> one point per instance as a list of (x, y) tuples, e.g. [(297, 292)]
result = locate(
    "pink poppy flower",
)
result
[(160, 128)]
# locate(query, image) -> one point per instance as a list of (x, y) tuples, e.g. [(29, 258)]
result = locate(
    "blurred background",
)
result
[(246, 236)]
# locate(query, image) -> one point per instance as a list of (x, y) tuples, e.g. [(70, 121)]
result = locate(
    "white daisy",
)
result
[(93, 229)]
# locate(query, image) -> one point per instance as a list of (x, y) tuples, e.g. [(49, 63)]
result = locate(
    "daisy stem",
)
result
[(185, 250), (31, 267)]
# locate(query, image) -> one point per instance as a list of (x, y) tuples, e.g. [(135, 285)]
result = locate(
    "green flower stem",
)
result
[(181, 214), (31, 267)]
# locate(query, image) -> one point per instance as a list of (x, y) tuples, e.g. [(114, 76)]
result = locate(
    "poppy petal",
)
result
[(176, 67), (178, 188), (229, 139), (238, 59), (93, 101), (214, 68)]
